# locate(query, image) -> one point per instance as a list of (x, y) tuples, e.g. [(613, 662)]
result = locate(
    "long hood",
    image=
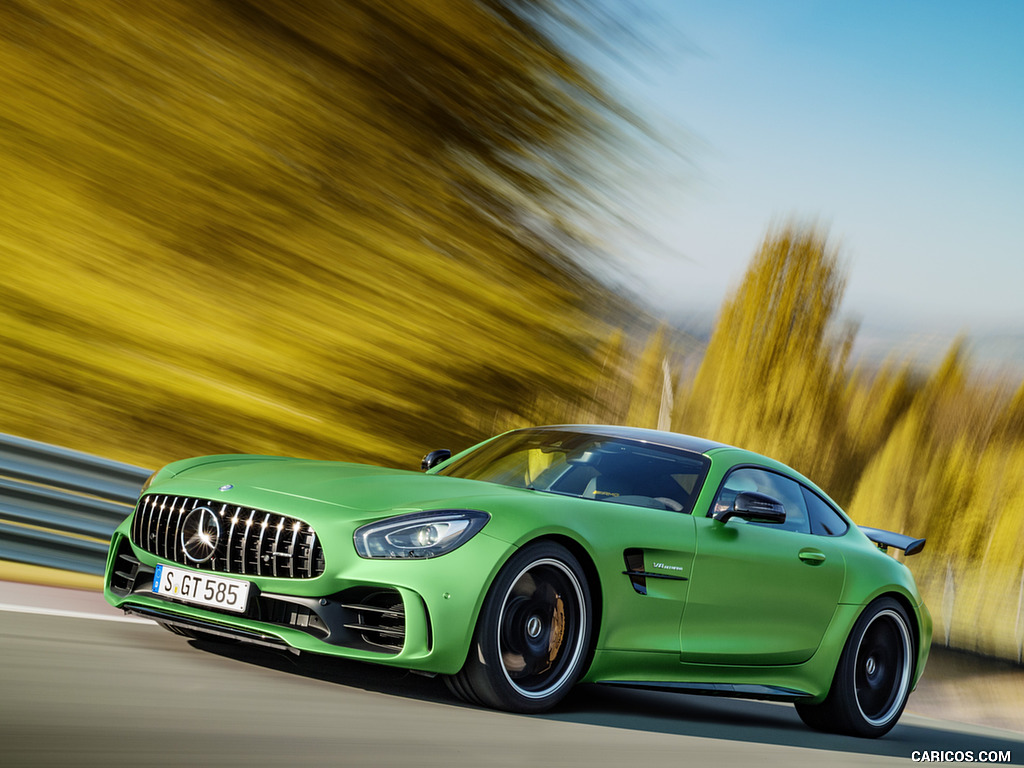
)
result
[(313, 489)]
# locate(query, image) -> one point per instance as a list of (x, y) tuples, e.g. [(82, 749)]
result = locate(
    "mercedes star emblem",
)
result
[(200, 532)]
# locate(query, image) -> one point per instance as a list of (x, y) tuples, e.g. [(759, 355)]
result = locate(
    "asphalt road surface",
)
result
[(83, 687)]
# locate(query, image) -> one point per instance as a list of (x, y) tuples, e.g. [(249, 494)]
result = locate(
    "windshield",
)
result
[(588, 466)]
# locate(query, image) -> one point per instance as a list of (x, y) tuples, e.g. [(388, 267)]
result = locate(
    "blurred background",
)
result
[(360, 231)]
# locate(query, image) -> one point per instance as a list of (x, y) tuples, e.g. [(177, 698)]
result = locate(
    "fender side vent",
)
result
[(635, 570)]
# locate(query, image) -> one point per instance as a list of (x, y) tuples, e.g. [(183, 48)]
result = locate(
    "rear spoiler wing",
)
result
[(886, 539)]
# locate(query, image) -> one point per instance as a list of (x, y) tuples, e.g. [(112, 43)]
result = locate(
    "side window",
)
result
[(825, 521), (782, 488)]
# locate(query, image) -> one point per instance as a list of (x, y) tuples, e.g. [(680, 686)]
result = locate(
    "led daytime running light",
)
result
[(419, 535)]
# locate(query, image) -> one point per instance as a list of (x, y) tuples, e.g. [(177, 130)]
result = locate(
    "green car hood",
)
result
[(321, 490)]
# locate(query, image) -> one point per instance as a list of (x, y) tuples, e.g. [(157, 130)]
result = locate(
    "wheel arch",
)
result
[(476, 682), (919, 621)]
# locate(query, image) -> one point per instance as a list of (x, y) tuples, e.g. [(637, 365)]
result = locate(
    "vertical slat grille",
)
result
[(252, 542)]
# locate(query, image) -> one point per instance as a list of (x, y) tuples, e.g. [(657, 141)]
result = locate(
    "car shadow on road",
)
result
[(769, 723), (343, 672), (647, 711)]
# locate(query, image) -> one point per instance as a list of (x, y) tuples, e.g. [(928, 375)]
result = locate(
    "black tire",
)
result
[(455, 685), (533, 634), (872, 681)]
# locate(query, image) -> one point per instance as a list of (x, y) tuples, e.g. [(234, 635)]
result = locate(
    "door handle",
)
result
[(812, 556)]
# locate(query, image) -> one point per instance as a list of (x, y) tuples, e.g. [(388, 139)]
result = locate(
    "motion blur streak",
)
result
[(360, 230), (342, 229)]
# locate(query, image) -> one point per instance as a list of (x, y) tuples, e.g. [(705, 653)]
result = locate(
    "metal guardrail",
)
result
[(59, 507)]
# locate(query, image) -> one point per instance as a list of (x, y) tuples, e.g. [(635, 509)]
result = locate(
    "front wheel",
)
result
[(872, 681), (532, 636)]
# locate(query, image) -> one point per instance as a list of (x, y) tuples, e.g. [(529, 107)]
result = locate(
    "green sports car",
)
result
[(536, 560)]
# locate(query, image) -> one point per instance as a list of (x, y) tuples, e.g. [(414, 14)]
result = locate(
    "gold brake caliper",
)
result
[(557, 628)]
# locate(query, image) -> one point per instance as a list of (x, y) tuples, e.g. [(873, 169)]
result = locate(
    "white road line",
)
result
[(70, 614)]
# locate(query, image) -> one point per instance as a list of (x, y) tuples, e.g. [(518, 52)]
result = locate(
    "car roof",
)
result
[(655, 436)]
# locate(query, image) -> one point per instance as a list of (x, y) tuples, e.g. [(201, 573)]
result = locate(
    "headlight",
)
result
[(149, 482), (419, 535)]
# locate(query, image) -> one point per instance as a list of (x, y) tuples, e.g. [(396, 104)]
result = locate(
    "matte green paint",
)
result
[(750, 611), (746, 576)]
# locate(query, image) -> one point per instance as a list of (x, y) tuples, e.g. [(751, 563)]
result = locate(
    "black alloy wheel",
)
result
[(533, 633), (882, 669), (872, 682)]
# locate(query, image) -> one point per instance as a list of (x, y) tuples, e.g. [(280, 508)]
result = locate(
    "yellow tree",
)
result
[(925, 465), (875, 402), (350, 229), (951, 471), (773, 376)]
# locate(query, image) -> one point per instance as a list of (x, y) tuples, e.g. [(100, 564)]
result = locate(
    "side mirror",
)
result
[(434, 458), (754, 507)]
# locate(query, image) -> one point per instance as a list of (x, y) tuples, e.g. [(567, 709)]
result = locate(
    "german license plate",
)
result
[(201, 588)]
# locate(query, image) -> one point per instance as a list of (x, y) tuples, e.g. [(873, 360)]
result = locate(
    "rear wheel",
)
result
[(872, 681), (532, 636)]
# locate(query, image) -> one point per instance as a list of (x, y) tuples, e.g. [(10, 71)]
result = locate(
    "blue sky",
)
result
[(898, 125)]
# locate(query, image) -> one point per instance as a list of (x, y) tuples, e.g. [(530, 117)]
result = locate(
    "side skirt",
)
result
[(763, 692)]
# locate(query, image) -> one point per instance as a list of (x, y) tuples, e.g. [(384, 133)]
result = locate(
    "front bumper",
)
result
[(416, 614)]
